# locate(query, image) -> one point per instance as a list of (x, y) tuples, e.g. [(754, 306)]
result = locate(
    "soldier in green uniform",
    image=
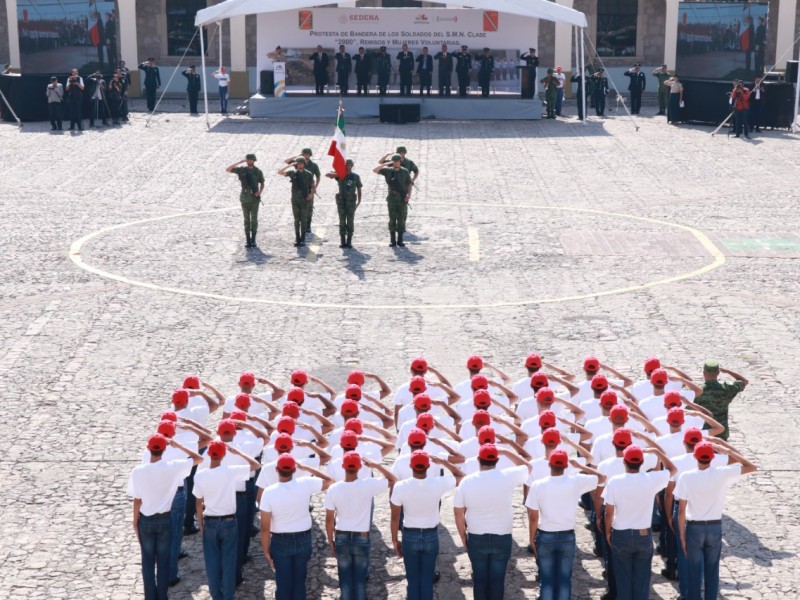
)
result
[(550, 84), (252, 180), (717, 396), (312, 168), (303, 190), (347, 201), (405, 162), (400, 183), (663, 91)]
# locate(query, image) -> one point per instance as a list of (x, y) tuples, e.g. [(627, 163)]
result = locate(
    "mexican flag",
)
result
[(338, 149)]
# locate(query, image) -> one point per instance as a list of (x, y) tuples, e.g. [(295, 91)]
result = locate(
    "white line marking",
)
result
[(474, 244)]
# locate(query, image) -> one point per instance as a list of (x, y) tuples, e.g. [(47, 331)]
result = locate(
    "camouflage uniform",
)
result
[(250, 178), (717, 397), (398, 182), (302, 183)]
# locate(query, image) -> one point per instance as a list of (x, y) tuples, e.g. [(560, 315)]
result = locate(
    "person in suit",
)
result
[(406, 69), (445, 60), (344, 66), (425, 71), (636, 86), (463, 66), (363, 69), (321, 60)]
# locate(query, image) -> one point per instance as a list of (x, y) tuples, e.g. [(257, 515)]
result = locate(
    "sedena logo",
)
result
[(305, 20), (362, 17)]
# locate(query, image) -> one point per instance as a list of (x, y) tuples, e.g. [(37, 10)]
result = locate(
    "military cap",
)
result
[(349, 161), (401, 149), (711, 366), (300, 159), (396, 157), (637, 64), (306, 151), (250, 157)]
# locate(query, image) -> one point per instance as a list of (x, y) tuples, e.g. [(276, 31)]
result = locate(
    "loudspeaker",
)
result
[(791, 71), (706, 101), (399, 113), (267, 83), (777, 109)]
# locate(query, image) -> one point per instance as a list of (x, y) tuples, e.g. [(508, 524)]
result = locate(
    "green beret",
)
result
[(396, 157), (300, 159), (349, 161), (306, 151), (401, 149), (711, 366), (250, 156)]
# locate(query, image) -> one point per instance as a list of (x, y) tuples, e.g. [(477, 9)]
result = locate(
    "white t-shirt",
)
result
[(592, 409), (632, 495), (522, 387), (420, 499), (672, 444), (155, 484), (336, 471), (689, 421), (288, 502), (405, 429), (404, 396), (536, 449), (601, 426), (540, 468), (468, 430), (256, 408), (363, 415), (560, 77), (532, 429), (556, 497), (614, 465), (170, 453), (408, 414), (352, 502), (643, 389), (223, 78), (301, 454), (217, 488), (653, 407), (704, 491), (687, 462), (471, 465), (603, 448), (197, 413), (402, 464), (488, 497), (250, 446)]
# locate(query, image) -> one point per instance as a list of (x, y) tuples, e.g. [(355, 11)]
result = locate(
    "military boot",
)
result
[(247, 237), (393, 241), (343, 242), (348, 243), (400, 240), (253, 240)]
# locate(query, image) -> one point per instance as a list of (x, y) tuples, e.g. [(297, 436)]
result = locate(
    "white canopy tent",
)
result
[(537, 9)]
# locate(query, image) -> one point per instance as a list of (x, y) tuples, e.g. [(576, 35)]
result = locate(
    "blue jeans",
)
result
[(251, 493), (632, 554), (219, 551), (674, 108), (223, 99), (420, 549), (703, 550), (556, 553), (489, 555), (176, 520), (559, 100), (291, 553), (741, 122), (352, 561), (155, 537), (243, 532), (683, 568)]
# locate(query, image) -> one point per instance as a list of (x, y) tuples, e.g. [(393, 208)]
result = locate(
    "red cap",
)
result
[(238, 415), (539, 380), (481, 417), (425, 421), (157, 443), (704, 452), (672, 399), (591, 364), (166, 428), (283, 442), (351, 461), (356, 377), (633, 454), (169, 415), (419, 365), (559, 458), (675, 416), (290, 409), (608, 399), (422, 402), (417, 438), (417, 385), (285, 425), (298, 377), (599, 383), (355, 425), (180, 398), (286, 463), (191, 382), (481, 399), (547, 418), (420, 460), (479, 382), (296, 395), (619, 414), (622, 438), (488, 452), (217, 449), (247, 378), (353, 392), (242, 401), (226, 427), (545, 396), (349, 408), (651, 364), (659, 378), (474, 363), (551, 437), (486, 435), (348, 440), (692, 436), (533, 361)]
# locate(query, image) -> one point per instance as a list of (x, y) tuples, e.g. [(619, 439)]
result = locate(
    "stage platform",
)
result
[(454, 108)]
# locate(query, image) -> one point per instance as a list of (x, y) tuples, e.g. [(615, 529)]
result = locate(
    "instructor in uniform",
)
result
[(347, 201), (312, 168), (445, 60), (717, 396), (252, 180), (303, 189), (399, 181), (463, 66)]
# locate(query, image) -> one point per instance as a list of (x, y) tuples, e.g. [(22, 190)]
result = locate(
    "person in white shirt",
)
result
[(628, 514), (348, 512), (265, 401), (419, 441), (619, 417), (223, 79), (359, 378), (484, 514), (215, 490), (672, 442), (301, 379), (193, 383), (419, 368), (644, 388), (696, 415), (475, 364), (423, 403), (653, 406), (418, 499), (373, 411), (430, 425), (153, 487), (286, 524), (702, 495), (591, 367), (551, 517), (487, 435), (533, 364)]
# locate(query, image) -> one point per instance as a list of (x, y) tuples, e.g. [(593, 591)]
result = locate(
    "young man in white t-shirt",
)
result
[(405, 393), (475, 364), (223, 79), (534, 362)]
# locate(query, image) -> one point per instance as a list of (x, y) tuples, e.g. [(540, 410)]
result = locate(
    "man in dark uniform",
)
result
[(303, 189), (445, 70), (761, 46), (383, 65), (486, 62), (344, 66), (463, 67), (152, 81), (320, 58), (192, 88), (425, 71), (312, 168), (347, 201), (399, 181), (580, 92), (74, 90), (717, 396), (531, 63), (406, 70), (638, 82), (363, 70), (599, 91), (252, 180)]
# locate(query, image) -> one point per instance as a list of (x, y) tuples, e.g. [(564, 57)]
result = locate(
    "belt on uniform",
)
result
[(564, 531), (293, 534), (420, 529), (357, 533), (714, 522), (219, 518)]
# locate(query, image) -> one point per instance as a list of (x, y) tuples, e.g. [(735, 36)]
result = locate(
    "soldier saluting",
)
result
[(252, 180), (399, 182), (347, 201), (303, 189)]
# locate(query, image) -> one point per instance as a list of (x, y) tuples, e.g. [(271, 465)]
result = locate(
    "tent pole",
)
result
[(795, 124), (203, 71), (582, 67), (219, 24)]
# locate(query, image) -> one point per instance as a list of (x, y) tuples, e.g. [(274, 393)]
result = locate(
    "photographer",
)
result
[(74, 91), (98, 99), (55, 95), (740, 99), (114, 97)]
